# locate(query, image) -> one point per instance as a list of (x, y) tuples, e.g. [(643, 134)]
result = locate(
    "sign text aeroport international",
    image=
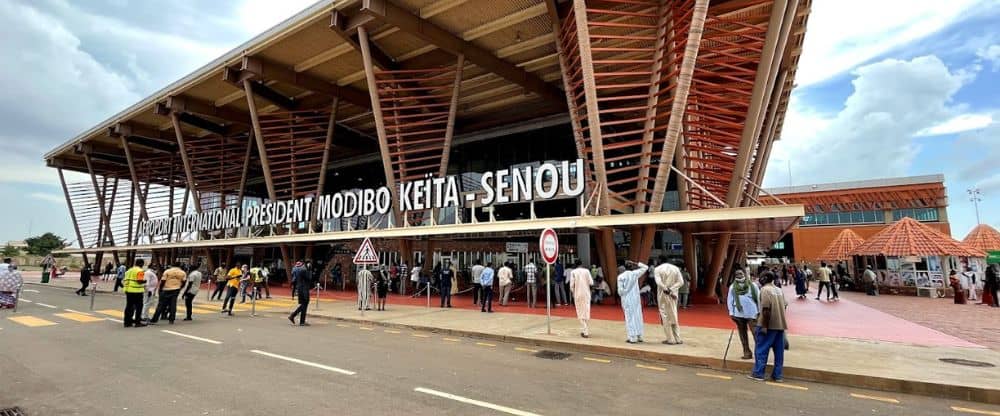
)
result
[(511, 185)]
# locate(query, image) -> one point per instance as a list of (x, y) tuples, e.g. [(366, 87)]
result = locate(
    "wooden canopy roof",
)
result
[(842, 246), (511, 76), (983, 237), (908, 237)]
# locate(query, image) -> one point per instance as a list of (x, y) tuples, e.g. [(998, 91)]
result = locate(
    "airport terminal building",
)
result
[(457, 129)]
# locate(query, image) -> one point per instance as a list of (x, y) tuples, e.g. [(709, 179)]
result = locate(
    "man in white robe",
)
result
[(580, 282), (365, 280), (628, 289), (668, 282)]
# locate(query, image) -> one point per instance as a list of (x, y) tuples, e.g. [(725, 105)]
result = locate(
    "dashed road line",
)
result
[(718, 376), (75, 311), (210, 341), (786, 386), (974, 411), (365, 328), (420, 335), (114, 320), (392, 331), (343, 325), (876, 398), (650, 367), (45, 305), (474, 402), (304, 362), (597, 360), (31, 321), (451, 339), (485, 344), (25, 300), (525, 349), (30, 291), (79, 317)]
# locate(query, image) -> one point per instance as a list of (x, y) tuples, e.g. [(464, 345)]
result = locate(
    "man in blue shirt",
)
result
[(559, 289), (486, 279)]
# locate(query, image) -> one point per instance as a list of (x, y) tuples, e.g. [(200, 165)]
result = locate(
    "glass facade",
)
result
[(842, 218), (919, 214)]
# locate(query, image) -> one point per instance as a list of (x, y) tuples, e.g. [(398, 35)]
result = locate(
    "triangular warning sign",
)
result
[(366, 254)]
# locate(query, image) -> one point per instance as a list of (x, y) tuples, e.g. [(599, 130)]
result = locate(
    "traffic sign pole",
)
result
[(548, 246)]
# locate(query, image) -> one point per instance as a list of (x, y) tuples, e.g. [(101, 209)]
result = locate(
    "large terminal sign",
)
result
[(511, 185)]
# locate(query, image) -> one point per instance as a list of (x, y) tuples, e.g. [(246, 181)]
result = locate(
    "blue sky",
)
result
[(907, 87)]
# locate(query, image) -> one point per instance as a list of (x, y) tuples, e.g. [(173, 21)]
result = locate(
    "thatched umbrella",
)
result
[(908, 237), (842, 246)]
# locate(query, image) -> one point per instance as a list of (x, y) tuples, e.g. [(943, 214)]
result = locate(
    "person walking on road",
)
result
[(505, 276), (824, 281), (220, 282), (486, 280), (232, 289), (742, 303), (119, 278), (134, 285), (531, 283), (191, 289), (152, 292), (365, 282), (668, 280), (771, 326), (579, 284), (382, 291), (170, 286), (628, 289), (684, 293), (301, 284), (85, 276)]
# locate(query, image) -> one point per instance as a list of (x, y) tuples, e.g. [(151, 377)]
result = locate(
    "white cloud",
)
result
[(872, 135), (845, 33), (958, 124), (991, 54), (259, 15)]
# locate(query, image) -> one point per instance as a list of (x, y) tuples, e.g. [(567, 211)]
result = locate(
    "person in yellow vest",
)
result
[(232, 289), (135, 287)]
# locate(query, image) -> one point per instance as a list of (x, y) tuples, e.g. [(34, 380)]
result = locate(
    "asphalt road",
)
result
[(261, 365)]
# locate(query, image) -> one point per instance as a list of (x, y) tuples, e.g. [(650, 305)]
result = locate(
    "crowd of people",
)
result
[(146, 286)]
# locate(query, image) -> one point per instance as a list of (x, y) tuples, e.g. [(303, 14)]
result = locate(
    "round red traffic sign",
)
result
[(548, 245)]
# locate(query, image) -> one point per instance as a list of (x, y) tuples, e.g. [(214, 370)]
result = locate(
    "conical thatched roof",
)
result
[(984, 238), (842, 246), (908, 237)]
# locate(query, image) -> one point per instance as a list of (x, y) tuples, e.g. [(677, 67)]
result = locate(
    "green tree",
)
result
[(44, 244), (10, 251)]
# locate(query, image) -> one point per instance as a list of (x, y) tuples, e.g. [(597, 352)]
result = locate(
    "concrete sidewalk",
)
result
[(906, 367)]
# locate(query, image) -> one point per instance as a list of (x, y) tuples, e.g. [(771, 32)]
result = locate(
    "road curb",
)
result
[(940, 390)]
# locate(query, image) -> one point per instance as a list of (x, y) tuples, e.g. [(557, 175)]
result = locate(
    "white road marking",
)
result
[(650, 367), (114, 320), (30, 291), (45, 305), (876, 398), (24, 300), (303, 362), (73, 311), (718, 376), (210, 341), (974, 411), (474, 402)]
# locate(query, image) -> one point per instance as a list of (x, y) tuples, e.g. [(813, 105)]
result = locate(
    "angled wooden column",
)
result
[(679, 103), (690, 258), (240, 196), (105, 218), (259, 137), (777, 35), (593, 111), (383, 141), (768, 136), (564, 70), (607, 256), (714, 269), (452, 111), (651, 109), (188, 173), (330, 128), (135, 177), (72, 214)]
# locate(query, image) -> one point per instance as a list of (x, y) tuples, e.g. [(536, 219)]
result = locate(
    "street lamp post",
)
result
[(976, 197)]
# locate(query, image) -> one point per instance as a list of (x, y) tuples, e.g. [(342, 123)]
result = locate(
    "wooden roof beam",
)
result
[(263, 70), (385, 11), (346, 27), (235, 77), (185, 104)]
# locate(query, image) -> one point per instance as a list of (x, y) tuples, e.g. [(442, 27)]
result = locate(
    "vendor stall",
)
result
[(986, 239), (840, 250), (913, 258)]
